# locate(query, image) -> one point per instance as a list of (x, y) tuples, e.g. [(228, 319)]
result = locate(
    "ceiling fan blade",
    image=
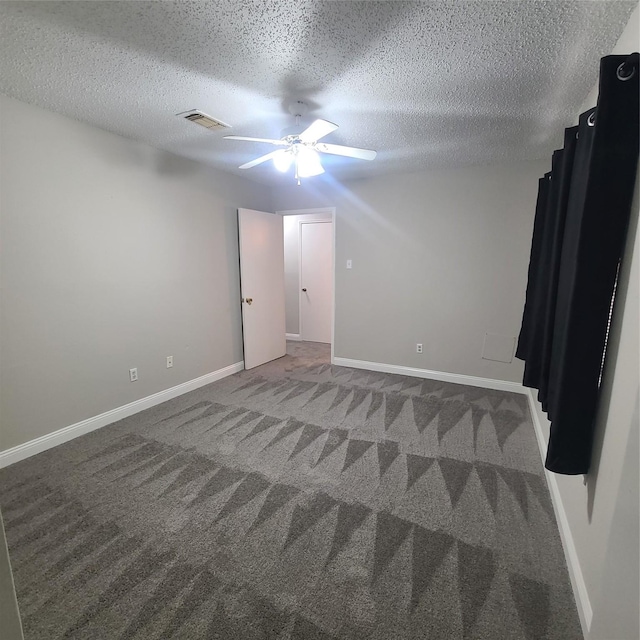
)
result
[(350, 152), (259, 160), (316, 130), (280, 143)]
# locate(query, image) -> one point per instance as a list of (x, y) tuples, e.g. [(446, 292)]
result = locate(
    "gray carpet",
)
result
[(296, 501)]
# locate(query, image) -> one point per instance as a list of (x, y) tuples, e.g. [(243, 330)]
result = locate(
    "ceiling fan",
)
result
[(300, 149)]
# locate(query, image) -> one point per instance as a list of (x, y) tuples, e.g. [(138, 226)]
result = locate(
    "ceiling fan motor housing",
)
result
[(296, 130), (299, 110)]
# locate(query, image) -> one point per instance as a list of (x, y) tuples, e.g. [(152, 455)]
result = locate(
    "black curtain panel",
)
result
[(544, 301), (582, 215), (525, 339), (562, 172)]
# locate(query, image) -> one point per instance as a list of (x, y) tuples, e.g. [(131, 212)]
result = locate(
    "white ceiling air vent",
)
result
[(204, 120)]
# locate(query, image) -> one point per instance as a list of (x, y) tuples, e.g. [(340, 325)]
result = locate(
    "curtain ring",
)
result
[(591, 120), (624, 74)]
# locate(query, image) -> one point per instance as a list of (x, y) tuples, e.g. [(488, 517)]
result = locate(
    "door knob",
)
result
[(305, 290), (248, 300)]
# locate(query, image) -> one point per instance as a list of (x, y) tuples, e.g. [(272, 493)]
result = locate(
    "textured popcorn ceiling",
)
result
[(426, 84)]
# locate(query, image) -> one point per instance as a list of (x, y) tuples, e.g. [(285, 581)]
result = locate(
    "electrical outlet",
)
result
[(169, 362), (133, 374), (419, 348)]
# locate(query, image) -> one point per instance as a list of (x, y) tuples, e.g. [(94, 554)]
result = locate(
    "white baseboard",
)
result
[(31, 448), (456, 378), (293, 336), (571, 554)]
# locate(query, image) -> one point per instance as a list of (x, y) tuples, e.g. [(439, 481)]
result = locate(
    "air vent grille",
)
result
[(204, 120)]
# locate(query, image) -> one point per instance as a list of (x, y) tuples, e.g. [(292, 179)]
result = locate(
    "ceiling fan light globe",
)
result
[(309, 163), (282, 161)]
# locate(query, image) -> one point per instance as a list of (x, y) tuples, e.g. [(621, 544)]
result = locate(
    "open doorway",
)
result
[(309, 241), (286, 283)]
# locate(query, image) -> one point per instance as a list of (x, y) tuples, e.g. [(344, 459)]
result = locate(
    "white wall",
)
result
[(114, 255), (292, 264), (603, 515), (439, 258)]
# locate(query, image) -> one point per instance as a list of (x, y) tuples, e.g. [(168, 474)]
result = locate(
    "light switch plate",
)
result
[(498, 347), (349, 264)]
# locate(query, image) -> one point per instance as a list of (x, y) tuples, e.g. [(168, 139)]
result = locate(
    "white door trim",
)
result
[(315, 213)]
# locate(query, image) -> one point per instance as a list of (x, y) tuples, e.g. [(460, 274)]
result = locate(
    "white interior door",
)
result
[(262, 286), (316, 280)]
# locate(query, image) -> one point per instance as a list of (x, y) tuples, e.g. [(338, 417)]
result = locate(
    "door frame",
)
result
[(309, 215)]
